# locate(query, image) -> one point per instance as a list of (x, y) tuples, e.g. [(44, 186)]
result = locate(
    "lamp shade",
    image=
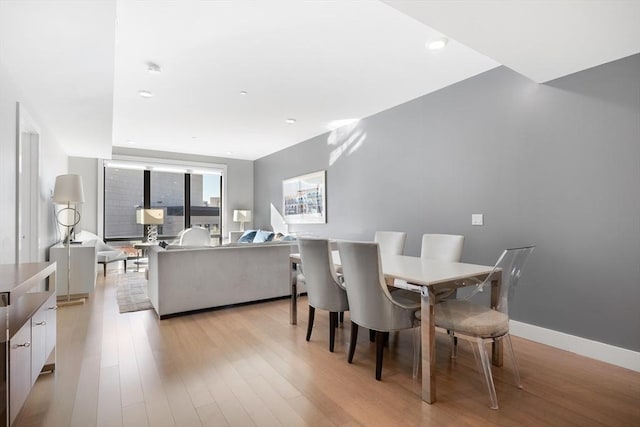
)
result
[(242, 215), (150, 216), (68, 189)]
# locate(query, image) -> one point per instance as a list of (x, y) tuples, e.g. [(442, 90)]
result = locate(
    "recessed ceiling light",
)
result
[(229, 153), (244, 92), (437, 44), (194, 137), (290, 121), (145, 93), (153, 68), (129, 141)]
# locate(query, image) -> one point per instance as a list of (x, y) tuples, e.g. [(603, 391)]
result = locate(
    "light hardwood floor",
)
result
[(246, 366)]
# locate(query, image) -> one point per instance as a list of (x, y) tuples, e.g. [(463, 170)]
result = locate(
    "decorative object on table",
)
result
[(304, 199), (68, 191), (151, 218), (241, 216)]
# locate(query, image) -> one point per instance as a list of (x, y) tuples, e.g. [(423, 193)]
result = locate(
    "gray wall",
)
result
[(556, 165)]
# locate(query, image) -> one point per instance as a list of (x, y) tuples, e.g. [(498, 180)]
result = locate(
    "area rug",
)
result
[(132, 293)]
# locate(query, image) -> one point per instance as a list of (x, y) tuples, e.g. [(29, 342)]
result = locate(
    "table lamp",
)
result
[(68, 191), (151, 218), (242, 216)]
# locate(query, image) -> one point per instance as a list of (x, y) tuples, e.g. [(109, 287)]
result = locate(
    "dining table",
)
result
[(429, 277)]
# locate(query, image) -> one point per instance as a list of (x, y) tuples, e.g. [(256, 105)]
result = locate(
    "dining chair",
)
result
[(324, 290), (391, 242), (480, 324), (441, 247), (370, 303)]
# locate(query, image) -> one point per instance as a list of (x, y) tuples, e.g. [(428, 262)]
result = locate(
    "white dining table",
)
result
[(431, 277)]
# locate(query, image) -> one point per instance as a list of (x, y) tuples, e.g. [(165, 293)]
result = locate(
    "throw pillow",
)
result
[(248, 236), (263, 236)]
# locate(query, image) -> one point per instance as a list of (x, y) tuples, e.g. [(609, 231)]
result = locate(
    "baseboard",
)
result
[(596, 350)]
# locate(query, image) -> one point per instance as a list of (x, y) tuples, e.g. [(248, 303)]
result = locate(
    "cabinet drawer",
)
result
[(19, 369)]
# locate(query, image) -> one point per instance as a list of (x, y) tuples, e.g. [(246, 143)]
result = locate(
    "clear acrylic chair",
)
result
[(370, 303), (480, 324), (324, 289)]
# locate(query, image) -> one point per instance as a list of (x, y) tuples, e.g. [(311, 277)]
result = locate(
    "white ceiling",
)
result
[(315, 61), (542, 40)]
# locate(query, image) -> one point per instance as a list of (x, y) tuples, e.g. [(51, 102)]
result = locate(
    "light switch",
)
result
[(477, 219)]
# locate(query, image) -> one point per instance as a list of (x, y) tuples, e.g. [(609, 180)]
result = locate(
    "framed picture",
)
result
[(304, 199)]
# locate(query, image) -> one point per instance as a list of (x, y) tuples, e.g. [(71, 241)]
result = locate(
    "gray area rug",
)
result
[(132, 293)]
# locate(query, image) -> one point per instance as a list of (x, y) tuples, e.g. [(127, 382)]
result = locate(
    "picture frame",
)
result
[(304, 199)]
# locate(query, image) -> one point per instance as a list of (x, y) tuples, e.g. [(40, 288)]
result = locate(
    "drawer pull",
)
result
[(55, 307), (25, 345), (41, 323)]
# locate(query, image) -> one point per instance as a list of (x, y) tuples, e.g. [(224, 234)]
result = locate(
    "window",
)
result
[(188, 197), (167, 193), (123, 194), (205, 202)]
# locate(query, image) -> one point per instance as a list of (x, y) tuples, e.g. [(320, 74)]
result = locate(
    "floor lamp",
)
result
[(68, 191)]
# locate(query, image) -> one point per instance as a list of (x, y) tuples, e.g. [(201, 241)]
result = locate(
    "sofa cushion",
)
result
[(263, 236), (248, 236), (108, 256)]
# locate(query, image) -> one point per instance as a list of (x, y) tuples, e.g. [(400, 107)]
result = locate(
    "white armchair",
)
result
[(105, 254)]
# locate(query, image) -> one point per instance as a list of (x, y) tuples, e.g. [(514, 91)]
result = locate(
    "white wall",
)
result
[(88, 169), (53, 162)]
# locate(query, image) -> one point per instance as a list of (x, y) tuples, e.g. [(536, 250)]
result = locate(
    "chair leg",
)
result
[(352, 342), (125, 265), (342, 317), (454, 345), (516, 371), (104, 271), (333, 324), (372, 335), (417, 351), (380, 340), (488, 378), (312, 313)]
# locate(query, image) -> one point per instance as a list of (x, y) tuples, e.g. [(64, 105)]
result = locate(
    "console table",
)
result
[(28, 320)]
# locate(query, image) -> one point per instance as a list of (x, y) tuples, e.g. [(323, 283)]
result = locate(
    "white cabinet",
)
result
[(19, 369), (28, 331), (43, 336), (84, 268)]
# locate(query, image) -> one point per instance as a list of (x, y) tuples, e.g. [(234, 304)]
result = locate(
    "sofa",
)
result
[(187, 279)]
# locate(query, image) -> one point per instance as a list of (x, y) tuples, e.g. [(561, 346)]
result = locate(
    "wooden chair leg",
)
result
[(342, 317), (380, 340), (104, 271), (372, 335), (312, 313), (333, 324), (352, 342), (125, 265)]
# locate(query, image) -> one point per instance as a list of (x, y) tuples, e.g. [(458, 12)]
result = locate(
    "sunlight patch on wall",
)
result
[(346, 137)]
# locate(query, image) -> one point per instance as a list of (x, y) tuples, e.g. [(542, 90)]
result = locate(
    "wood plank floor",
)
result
[(246, 366)]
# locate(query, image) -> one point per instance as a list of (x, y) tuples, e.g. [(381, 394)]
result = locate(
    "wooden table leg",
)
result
[(293, 309), (428, 332), (496, 347)]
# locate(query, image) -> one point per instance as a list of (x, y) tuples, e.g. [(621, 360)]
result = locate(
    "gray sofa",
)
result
[(189, 279)]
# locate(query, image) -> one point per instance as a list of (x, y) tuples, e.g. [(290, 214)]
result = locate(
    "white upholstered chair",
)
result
[(391, 242), (324, 290), (105, 254), (481, 324), (195, 236), (370, 303)]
